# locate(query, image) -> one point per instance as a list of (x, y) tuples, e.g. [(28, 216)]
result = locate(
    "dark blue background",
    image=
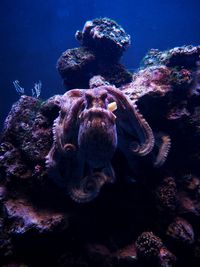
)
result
[(34, 33)]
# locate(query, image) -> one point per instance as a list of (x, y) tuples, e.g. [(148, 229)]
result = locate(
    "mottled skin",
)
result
[(86, 135)]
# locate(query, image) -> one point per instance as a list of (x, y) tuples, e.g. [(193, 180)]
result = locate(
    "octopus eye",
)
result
[(88, 98)]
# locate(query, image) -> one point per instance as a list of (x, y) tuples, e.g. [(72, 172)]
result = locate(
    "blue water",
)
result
[(33, 34)]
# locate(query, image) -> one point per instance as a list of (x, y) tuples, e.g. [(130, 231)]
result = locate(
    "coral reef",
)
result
[(107, 174)]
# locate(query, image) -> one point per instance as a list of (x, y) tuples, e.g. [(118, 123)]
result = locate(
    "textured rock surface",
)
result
[(75, 66), (104, 36), (103, 42)]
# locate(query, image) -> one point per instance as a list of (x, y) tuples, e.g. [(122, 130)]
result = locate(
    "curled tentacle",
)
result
[(131, 120), (69, 148), (163, 142), (64, 135), (69, 126), (109, 172), (88, 188), (64, 127), (146, 135), (52, 159)]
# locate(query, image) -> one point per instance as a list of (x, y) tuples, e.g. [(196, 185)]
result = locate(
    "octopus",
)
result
[(92, 124)]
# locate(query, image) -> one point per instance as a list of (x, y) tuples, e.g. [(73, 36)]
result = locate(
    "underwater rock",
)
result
[(189, 205), (166, 194), (50, 108), (151, 249), (97, 81), (195, 88), (195, 119), (181, 231), (27, 128), (105, 37), (166, 258), (76, 66), (6, 248), (178, 112), (20, 119), (11, 162), (185, 56), (115, 74), (154, 81), (181, 78), (24, 217), (148, 245), (102, 43), (126, 255)]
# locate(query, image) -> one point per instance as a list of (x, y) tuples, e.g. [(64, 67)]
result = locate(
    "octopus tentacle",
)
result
[(88, 187), (64, 140), (64, 126), (146, 134), (63, 132), (163, 141), (52, 159), (134, 121), (70, 124), (109, 172)]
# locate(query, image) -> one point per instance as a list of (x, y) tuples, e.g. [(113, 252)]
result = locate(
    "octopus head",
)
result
[(97, 137)]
